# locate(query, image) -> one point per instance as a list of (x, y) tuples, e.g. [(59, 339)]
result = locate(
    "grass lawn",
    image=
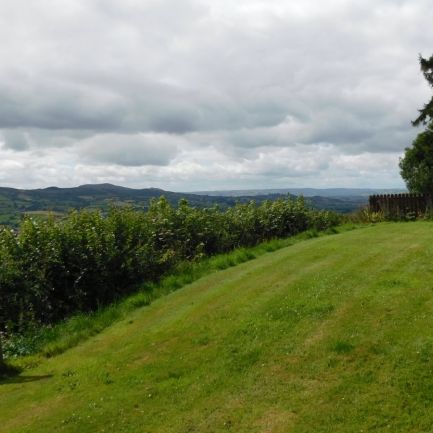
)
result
[(332, 334)]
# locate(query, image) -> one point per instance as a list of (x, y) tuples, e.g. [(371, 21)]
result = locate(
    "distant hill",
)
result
[(16, 202), (306, 192), (343, 200)]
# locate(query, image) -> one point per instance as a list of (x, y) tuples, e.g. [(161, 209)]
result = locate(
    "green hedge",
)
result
[(50, 269)]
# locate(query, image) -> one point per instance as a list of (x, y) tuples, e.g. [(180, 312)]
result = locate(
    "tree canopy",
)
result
[(417, 164)]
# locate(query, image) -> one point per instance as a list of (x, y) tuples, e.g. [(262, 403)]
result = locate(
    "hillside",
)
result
[(332, 334), (16, 202)]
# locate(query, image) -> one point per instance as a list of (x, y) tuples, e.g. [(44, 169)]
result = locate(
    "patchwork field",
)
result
[(333, 334)]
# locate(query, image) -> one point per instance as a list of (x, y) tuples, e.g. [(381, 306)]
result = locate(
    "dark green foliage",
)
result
[(51, 269), (417, 164), (416, 167), (426, 113), (342, 347)]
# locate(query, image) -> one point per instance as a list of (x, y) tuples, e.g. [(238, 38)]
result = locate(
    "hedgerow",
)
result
[(51, 269)]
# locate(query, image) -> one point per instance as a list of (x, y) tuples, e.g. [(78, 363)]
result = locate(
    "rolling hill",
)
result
[(333, 334), (16, 202)]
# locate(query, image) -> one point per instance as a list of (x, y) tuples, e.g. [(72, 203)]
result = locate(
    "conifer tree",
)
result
[(426, 113), (416, 167)]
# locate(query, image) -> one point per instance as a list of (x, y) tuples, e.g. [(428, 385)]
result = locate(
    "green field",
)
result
[(332, 334)]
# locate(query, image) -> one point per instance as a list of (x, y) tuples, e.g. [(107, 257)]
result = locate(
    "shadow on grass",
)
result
[(6, 380), (11, 374)]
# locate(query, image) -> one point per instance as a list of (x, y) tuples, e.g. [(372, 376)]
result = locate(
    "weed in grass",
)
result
[(175, 374), (322, 311), (202, 341), (106, 378), (241, 360), (342, 347)]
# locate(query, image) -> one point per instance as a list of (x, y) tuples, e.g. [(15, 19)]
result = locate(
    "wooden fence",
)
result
[(401, 205)]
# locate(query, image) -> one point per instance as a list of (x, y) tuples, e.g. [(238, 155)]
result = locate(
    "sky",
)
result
[(191, 95)]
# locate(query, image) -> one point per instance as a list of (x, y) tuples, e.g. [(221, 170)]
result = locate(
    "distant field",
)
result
[(332, 334)]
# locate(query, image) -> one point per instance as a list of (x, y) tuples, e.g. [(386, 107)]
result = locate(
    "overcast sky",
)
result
[(199, 94)]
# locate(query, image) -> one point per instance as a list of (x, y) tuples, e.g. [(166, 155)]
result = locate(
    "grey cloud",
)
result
[(149, 83), (54, 106), (129, 150), (35, 139), (15, 140)]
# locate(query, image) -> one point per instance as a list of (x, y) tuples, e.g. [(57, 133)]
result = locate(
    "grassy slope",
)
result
[(334, 334)]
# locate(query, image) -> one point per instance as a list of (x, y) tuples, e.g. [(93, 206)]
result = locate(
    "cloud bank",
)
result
[(195, 94)]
